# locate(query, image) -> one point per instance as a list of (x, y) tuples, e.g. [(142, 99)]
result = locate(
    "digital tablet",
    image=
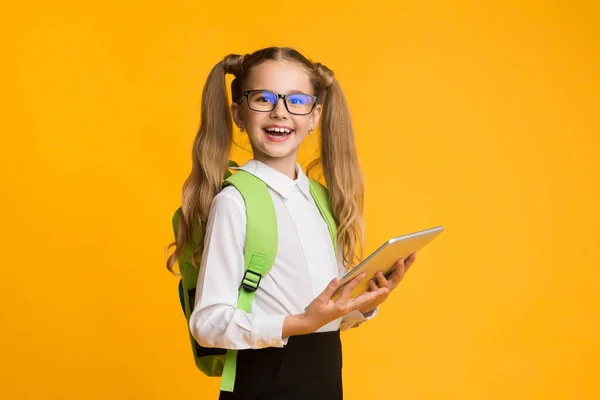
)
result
[(384, 258)]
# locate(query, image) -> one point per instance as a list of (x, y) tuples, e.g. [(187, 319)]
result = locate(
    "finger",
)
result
[(398, 274), (409, 261), (399, 264), (329, 290), (370, 296), (399, 268), (347, 291), (382, 282), (372, 285), (367, 298), (393, 270)]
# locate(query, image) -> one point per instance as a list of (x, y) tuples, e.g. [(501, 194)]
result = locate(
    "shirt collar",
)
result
[(277, 181)]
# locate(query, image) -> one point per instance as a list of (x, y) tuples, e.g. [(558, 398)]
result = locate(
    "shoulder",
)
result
[(229, 200), (230, 192)]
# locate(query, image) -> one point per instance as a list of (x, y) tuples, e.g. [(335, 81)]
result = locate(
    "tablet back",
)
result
[(385, 257)]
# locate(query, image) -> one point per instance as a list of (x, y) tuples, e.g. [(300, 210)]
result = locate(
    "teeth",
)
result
[(279, 130)]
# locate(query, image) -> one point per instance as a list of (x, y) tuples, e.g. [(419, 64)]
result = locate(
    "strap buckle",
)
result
[(251, 281)]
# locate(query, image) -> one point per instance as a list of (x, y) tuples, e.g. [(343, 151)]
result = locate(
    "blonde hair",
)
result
[(212, 145)]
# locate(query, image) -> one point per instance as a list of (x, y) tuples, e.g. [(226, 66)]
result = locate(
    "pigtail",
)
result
[(341, 168), (210, 154)]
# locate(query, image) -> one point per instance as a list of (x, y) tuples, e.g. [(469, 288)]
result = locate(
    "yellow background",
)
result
[(481, 117)]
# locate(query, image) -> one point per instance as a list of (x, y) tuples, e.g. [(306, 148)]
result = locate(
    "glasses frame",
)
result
[(279, 96)]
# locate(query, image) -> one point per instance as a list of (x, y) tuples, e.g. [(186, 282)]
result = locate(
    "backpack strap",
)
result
[(259, 251), (321, 197)]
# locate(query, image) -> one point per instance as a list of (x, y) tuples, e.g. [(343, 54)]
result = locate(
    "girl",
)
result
[(289, 345)]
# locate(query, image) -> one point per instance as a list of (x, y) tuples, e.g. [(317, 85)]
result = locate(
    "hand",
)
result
[(323, 310), (390, 283)]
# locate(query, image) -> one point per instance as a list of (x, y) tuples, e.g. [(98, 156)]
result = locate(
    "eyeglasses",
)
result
[(265, 101)]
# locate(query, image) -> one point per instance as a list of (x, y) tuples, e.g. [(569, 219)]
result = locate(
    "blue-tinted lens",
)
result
[(299, 100), (268, 97), (262, 100)]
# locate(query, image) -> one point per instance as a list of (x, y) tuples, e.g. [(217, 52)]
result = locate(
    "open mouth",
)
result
[(278, 134)]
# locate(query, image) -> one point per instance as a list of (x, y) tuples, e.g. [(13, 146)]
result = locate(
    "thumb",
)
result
[(330, 289)]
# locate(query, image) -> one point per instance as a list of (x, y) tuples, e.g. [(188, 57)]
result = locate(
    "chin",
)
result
[(279, 150), (280, 153)]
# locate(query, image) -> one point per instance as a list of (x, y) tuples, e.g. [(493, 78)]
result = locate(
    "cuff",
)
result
[(355, 318), (266, 331), (371, 314)]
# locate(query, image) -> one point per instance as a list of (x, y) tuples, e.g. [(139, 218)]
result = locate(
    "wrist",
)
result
[(295, 325)]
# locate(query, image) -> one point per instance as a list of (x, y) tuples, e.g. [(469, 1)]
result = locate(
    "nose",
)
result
[(279, 111)]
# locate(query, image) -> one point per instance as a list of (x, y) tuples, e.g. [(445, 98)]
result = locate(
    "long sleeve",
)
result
[(216, 321), (355, 318)]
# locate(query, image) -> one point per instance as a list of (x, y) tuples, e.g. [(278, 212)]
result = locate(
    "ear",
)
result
[(236, 113), (315, 116)]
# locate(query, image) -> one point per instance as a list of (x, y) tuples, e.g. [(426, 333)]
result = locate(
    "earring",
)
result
[(242, 129), (310, 131)]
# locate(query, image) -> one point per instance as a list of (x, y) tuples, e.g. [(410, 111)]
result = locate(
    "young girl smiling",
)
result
[(289, 344)]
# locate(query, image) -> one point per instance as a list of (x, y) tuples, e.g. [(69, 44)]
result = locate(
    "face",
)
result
[(282, 77)]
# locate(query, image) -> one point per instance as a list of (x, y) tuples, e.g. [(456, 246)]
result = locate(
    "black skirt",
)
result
[(308, 367)]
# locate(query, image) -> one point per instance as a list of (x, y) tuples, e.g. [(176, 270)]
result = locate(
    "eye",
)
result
[(266, 97), (299, 99)]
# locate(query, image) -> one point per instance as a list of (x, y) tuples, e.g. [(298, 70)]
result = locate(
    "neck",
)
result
[(285, 165)]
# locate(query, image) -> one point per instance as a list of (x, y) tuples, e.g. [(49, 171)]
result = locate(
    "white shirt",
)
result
[(304, 264)]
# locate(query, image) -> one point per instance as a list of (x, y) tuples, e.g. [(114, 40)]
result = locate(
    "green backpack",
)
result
[(259, 255)]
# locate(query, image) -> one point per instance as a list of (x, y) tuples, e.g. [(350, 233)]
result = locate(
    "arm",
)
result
[(216, 321)]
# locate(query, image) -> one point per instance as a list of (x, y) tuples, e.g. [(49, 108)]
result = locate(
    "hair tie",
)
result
[(233, 64), (325, 74)]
